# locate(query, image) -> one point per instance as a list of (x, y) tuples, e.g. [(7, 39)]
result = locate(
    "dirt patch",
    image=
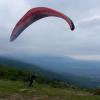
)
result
[(17, 96), (14, 96)]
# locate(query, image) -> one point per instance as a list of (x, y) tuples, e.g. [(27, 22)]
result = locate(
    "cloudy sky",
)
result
[(52, 35)]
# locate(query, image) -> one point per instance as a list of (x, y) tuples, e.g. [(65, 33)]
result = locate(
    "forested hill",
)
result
[(19, 74), (32, 67), (65, 77), (24, 65)]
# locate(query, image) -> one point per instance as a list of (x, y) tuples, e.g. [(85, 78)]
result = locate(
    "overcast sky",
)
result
[(52, 35)]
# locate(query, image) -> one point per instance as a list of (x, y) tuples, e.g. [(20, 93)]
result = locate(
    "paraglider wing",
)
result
[(35, 14)]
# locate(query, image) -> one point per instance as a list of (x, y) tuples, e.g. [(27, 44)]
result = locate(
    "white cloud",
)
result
[(52, 35), (12, 11)]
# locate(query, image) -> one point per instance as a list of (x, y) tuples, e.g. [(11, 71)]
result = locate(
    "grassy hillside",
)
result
[(18, 74), (14, 86), (19, 90)]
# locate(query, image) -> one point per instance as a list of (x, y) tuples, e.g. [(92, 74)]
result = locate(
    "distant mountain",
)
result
[(81, 72), (64, 64)]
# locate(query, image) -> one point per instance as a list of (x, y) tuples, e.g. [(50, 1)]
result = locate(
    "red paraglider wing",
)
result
[(35, 14)]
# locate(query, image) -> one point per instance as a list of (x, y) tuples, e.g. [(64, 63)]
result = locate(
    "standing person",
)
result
[(32, 79)]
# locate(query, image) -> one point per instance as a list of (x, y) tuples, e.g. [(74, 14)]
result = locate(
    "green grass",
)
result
[(19, 90)]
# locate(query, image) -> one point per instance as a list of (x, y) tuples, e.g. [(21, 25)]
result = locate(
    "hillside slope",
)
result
[(14, 87), (10, 90), (66, 77)]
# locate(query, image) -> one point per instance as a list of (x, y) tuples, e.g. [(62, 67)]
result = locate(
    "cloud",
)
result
[(12, 11), (52, 35), (92, 24)]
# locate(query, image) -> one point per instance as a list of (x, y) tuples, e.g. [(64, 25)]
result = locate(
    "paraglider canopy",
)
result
[(35, 14)]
